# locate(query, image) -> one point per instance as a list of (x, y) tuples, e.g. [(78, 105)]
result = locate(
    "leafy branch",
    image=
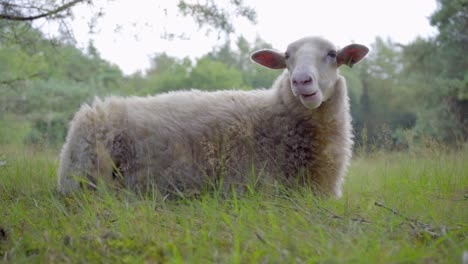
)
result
[(5, 15), (10, 82), (219, 18)]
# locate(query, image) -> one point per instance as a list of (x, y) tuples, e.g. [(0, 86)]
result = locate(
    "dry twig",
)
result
[(414, 223)]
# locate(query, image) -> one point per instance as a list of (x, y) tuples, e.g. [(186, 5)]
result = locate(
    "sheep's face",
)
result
[(313, 66)]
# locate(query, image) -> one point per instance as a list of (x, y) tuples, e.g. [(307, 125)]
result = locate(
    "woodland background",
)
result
[(400, 94)]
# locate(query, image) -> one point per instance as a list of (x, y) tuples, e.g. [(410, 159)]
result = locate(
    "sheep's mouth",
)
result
[(309, 95)]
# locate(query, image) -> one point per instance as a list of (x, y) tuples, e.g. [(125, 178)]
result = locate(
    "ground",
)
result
[(407, 207)]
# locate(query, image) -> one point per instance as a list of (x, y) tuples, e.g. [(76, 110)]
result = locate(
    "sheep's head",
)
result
[(312, 63)]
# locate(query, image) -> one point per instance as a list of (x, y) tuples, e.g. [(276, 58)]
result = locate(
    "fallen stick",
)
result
[(426, 227)]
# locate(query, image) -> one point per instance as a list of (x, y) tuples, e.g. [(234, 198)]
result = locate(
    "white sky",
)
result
[(279, 23)]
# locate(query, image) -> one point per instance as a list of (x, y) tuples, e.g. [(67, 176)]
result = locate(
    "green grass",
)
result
[(428, 190)]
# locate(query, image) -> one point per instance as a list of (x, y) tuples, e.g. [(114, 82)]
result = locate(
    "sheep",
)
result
[(298, 131)]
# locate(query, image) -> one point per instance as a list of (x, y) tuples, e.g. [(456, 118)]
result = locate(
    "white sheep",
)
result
[(298, 131)]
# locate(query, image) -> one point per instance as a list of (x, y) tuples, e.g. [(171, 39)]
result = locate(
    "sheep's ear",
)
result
[(269, 58), (351, 54)]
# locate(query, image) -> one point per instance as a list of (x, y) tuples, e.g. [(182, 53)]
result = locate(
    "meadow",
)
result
[(403, 207)]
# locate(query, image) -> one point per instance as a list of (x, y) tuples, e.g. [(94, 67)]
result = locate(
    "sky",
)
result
[(130, 32)]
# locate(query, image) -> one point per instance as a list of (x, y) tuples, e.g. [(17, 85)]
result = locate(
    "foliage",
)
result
[(15, 14), (44, 84), (253, 75), (213, 75), (223, 68), (451, 19), (439, 73), (13, 130), (216, 16), (167, 74), (381, 103), (399, 94), (27, 10)]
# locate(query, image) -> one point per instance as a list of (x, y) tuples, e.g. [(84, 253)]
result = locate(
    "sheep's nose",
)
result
[(302, 79)]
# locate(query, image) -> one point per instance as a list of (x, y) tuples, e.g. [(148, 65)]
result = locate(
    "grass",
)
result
[(422, 218)]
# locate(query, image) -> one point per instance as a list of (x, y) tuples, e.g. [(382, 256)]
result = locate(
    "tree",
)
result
[(380, 100), (438, 72), (166, 73), (222, 68), (208, 14), (253, 75), (214, 75), (24, 10)]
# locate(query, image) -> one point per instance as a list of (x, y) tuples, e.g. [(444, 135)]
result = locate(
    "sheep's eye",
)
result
[(286, 55), (332, 54)]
